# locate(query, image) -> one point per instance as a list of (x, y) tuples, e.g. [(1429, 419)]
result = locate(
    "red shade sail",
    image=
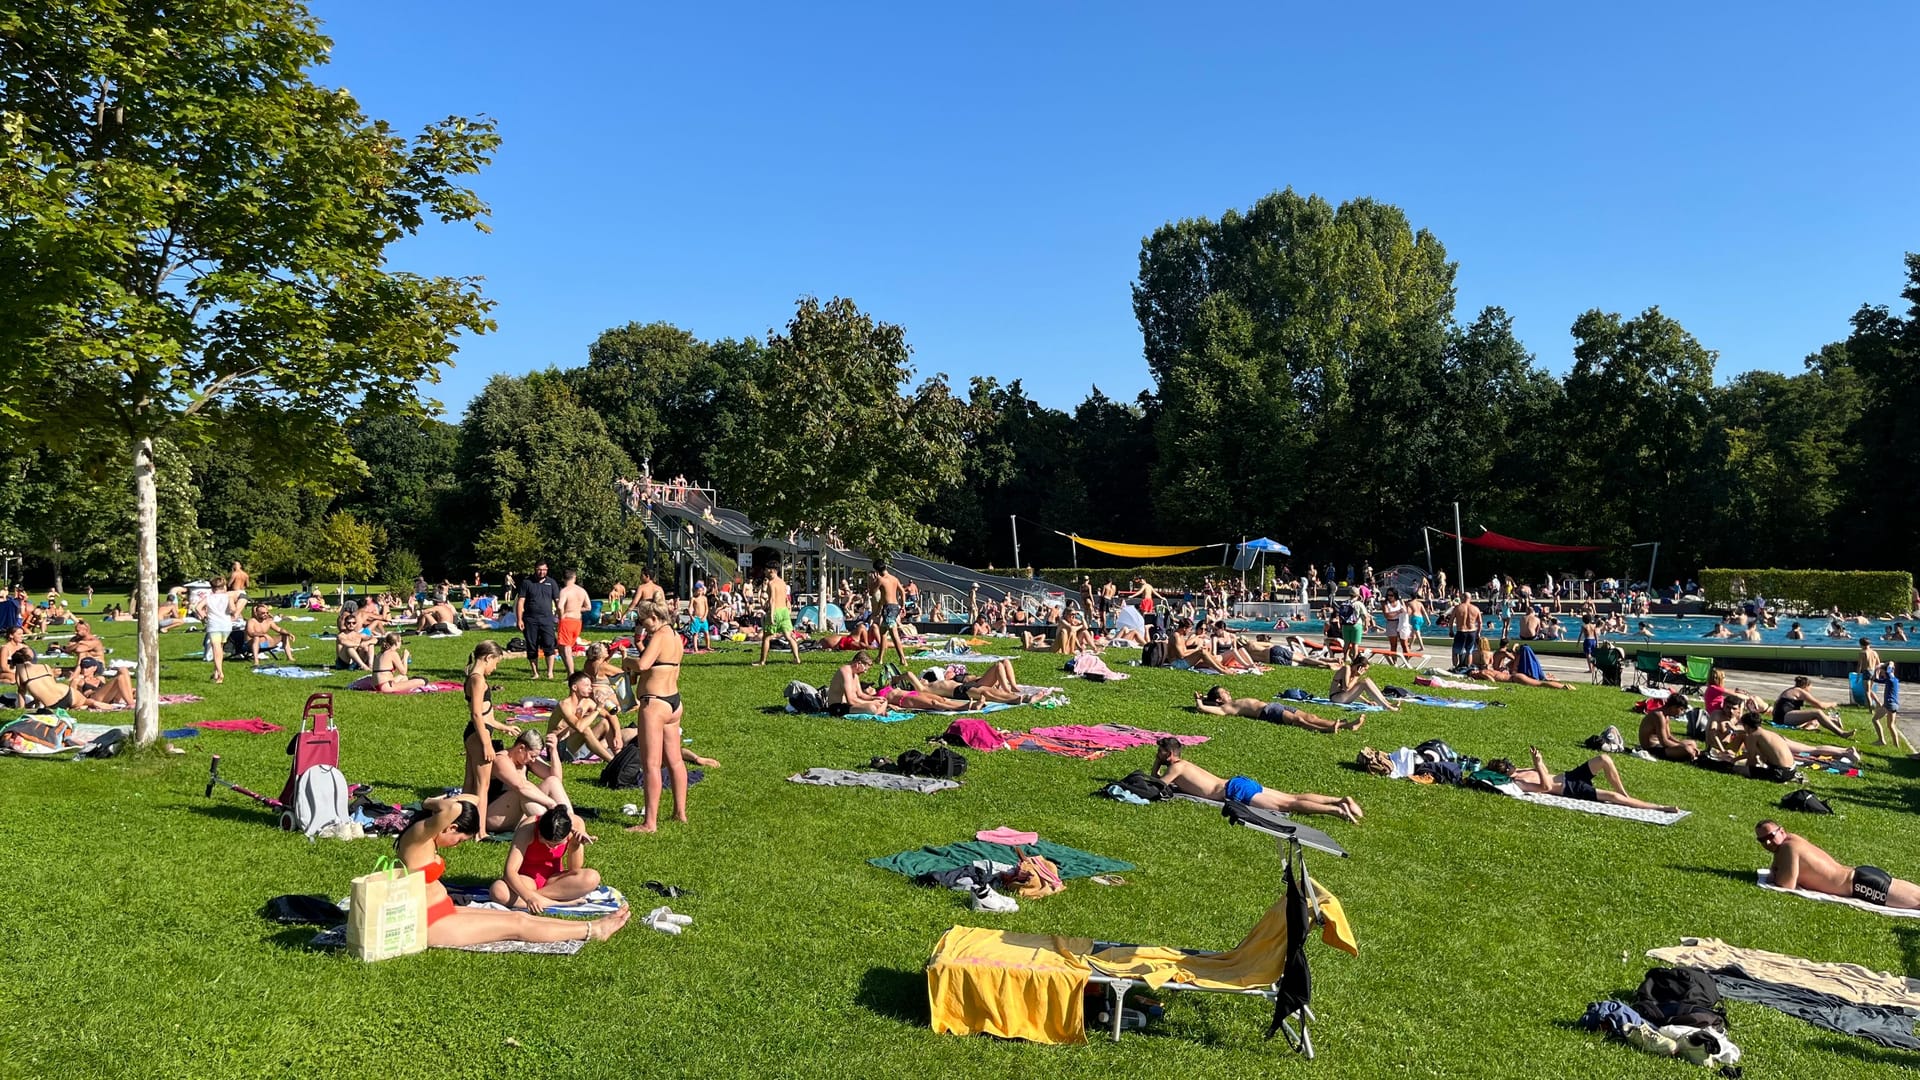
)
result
[(1493, 541)]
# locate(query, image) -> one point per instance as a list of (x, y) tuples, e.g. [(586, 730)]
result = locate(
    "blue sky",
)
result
[(983, 174)]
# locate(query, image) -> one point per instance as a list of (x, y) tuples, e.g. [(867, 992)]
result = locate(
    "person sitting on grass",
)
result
[(446, 821), (91, 682), (1656, 735), (847, 696), (861, 636), (41, 690), (547, 864), (1186, 647), (1723, 700), (438, 619), (85, 644), (352, 648), (389, 674), (1797, 707), (1576, 783), (1798, 863), (512, 794), (1350, 684), (1217, 702), (264, 631), (1764, 755), (1499, 667), (1228, 648), (583, 725), (1188, 778), (16, 641), (1775, 747)]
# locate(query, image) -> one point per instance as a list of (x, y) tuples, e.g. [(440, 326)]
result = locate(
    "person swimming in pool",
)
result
[(1191, 779)]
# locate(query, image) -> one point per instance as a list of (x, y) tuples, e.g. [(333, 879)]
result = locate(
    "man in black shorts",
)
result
[(1799, 863), (1217, 702), (537, 613), (1576, 783)]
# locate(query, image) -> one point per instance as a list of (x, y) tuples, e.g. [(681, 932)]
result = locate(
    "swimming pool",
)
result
[(1670, 630)]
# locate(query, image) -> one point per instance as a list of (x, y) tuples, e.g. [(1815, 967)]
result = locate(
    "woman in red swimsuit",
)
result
[(547, 864), (445, 822)]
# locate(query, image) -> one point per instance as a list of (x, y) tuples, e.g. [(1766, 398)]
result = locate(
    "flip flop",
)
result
[(671, 892), (1108, 879)]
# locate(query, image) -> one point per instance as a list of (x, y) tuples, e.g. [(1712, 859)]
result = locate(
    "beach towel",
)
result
[(1073, 862), (1350, 706), (1443, 702), (180, 733), (1089, 665), (78, 731), (1112, 736), (429, 688), (885, 781), (1627, 813), (1445, 683), (604, 900), (1764, 876), (948, 656), (292, 673), (984, 737), (1182, 665), (180, 699), (252, 726), (893, 717), (336, 938)]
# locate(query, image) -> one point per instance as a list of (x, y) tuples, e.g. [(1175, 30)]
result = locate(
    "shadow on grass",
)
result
[(296, 939), (1744, 877), (897, 995), (1871, 1054), (1903, 800), (251, 814)]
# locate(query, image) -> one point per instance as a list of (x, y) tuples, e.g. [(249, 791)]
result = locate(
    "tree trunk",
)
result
[(146, 586)]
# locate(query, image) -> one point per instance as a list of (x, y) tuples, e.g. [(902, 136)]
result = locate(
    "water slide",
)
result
[(733, 529)]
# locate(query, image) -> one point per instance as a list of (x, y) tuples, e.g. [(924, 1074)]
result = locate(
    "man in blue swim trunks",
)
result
[(1191, 779), (885, 592)]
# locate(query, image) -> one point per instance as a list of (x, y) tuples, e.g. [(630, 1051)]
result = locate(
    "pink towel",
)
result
[(1112, 736), (1004, 835), (977, 734), (251, 725), (180, 699)]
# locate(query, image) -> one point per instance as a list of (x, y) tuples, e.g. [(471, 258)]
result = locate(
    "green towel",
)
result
[(1073, 862)]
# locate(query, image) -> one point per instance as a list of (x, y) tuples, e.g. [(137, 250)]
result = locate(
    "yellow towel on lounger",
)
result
[(1015, 986), (1256, 961)]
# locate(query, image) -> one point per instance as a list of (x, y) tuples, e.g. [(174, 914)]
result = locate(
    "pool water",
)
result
[(1667, 629)]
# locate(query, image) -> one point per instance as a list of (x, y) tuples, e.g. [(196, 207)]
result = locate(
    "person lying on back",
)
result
[(1217, 702), (1188, 778), (1576, 783)]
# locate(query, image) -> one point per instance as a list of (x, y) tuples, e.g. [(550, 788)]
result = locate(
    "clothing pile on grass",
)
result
[(999, 864), (1675, 1013)]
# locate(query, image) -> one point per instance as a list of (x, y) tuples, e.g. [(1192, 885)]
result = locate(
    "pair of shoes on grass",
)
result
[(666, 920)]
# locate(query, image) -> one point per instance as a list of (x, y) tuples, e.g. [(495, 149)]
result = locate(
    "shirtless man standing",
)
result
[(647, 590), (1191, 779), (574, 603), (1798, 863), (886, 592), (238, 579), (779, 617), (1465, 619)]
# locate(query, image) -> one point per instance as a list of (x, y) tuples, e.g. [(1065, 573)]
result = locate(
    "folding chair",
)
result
[(1606, 663), (1699, 670), (1648, 665)]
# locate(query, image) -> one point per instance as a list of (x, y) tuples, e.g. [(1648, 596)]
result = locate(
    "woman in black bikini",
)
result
[(40, 687), (656, 687), (481, 725)]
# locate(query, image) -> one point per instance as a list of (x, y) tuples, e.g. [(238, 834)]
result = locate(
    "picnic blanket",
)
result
[(336, 938), (948, 656), (1764, 877), (885, 781), (604, 900), (1182, 665), (984, 737), (292, 673), (1112, 736), (893, 717), (252, 725), (1073, 862)]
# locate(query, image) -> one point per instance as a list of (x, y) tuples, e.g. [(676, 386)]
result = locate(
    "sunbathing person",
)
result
[(438, 619), (583, 725), (1718, 697), (1350, 684), (389, 674), (1798, 863), (265, 631), (352, 648), (1308, 654), (512, 794), (547, 864), (91, 683), (1794, 749), (42, 691), (1217, 702), (862, 636), (907, 695), (445, 822), (16, 641), (85, 643), (1797, 707), (846, 695), (1191, 779), (1226, 646), (1184, 647), (1656, 730), (1500, 669), (1764, 755), (600, 666), (1576, 783), (995, 684)]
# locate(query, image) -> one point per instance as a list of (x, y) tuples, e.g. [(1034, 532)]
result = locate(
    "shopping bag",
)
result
[(388, 912)]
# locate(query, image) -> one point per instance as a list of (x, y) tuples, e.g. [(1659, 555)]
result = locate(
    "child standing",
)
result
[(1888, 707)]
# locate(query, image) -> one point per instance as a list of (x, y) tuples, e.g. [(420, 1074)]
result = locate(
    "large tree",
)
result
[(827, 438), (1881, 514), (658, 389), (188, 218)]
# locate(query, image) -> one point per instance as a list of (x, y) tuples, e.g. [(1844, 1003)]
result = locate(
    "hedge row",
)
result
[(1859, 592)]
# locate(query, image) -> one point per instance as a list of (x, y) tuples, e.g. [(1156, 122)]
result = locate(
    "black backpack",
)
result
[(518, 644), (626, 769), (1152, 654), (1680, 995), (1147, 787), (1805, 801), (943, 763), (802, 698)]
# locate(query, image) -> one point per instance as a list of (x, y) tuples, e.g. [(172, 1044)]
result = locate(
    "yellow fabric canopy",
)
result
[(1137, 551)]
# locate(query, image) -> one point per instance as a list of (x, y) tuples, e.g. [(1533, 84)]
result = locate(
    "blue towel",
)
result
[(1350, 706), (180, 733), (1444, 702), (292, 672)]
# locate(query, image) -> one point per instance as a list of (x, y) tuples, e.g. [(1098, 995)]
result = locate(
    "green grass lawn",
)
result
[(131, 943)]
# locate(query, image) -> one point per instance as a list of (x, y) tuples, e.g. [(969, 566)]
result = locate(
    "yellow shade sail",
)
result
[(1137, 551)]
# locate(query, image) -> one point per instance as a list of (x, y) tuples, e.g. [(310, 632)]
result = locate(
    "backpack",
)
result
[(1146, 787), (804, 698), (1377, 762), (518, 644), (943, 763), (626, 769), (1805, 801), (1344, 610), (1435, 750), (319, 800), (1680, 995), (1152, 654)]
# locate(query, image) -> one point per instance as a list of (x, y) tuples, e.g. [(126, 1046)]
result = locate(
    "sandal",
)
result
[(671, 892)]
